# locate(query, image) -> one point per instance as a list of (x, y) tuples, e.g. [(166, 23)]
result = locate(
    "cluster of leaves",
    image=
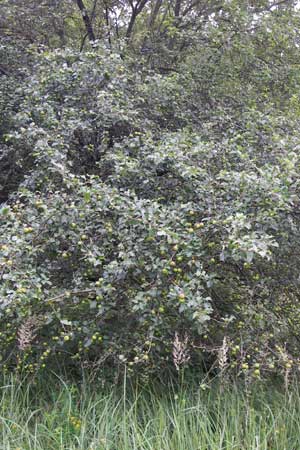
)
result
[(141, 214)]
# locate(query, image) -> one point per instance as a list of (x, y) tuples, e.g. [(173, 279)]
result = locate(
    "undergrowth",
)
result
[(57, 415)]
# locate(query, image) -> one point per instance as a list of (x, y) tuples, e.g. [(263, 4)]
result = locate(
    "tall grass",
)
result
[(53, 415)]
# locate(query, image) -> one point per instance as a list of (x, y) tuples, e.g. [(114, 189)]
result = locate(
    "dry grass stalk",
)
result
[(180, 351), (222, 355), (27, 333)]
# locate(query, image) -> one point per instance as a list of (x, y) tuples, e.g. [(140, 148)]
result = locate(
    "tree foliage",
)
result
[(150, 187)]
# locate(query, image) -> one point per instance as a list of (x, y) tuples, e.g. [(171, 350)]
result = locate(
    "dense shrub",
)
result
[(139, 236)]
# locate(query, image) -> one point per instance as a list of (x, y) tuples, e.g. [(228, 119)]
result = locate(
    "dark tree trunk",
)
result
[(136, 10), (87, 21), (154, 13)]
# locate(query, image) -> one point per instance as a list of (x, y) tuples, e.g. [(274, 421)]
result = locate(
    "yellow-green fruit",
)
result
[(28, 230), (21, 290), (199, 225), (181, 297)]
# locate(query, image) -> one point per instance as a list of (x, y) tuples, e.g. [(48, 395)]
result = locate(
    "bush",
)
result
[(137, 241)]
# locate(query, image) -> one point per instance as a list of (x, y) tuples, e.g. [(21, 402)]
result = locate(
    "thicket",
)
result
[(150, 199)]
